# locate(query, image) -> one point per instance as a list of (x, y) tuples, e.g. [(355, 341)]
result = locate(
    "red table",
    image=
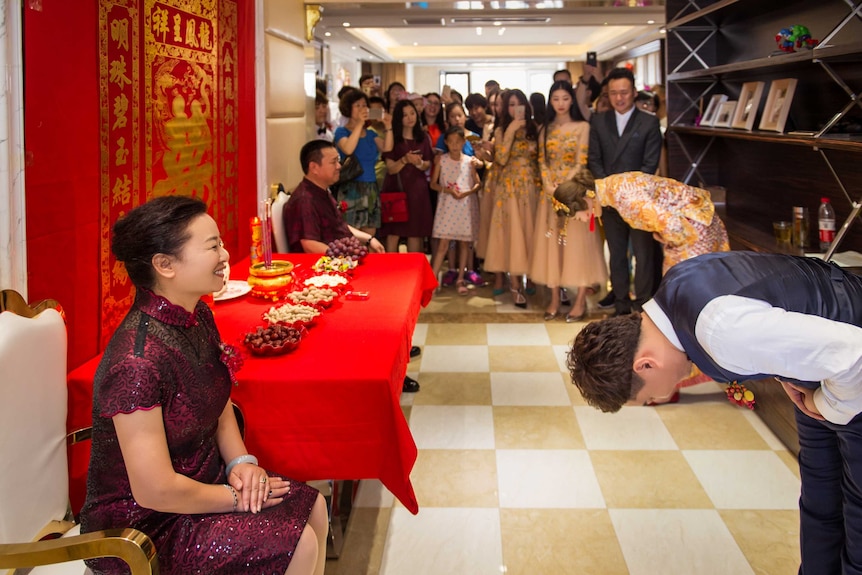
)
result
[(330, 409)]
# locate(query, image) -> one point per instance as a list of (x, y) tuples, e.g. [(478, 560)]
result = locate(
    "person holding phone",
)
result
[(510, 237), (406, 165), (361, 195)]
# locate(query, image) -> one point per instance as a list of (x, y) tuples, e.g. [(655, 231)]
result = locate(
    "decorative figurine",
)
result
[(796, 35)]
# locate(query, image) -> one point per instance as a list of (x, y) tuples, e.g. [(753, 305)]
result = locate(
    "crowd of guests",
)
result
[(480, 175)]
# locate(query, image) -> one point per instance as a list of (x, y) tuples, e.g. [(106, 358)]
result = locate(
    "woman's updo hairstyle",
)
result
[(571, 194), (159, 226)]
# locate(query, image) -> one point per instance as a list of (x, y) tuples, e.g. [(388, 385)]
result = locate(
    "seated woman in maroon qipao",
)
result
[(167, 456)]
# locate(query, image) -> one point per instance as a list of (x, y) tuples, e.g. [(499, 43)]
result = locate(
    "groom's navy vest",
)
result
[(797, 284)]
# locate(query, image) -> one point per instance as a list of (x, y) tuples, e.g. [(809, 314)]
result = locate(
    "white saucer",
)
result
[(235, 289)]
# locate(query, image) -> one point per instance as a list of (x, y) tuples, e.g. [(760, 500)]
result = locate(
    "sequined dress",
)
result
[(163, 356), (683, 215), (569, 256), (516, 189)]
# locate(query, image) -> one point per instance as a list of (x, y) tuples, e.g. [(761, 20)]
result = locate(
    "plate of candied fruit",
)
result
[(274, 339)]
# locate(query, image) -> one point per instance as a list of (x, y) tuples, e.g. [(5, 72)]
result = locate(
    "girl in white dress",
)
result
[(457, 218)]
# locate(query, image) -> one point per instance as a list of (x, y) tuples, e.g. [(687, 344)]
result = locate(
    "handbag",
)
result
[(350, 169), (393, 205)]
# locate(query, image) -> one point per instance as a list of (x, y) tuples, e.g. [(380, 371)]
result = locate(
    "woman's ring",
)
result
[(263, 479), (270, 493)]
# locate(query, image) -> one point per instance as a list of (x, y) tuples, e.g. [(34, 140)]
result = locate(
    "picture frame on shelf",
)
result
[(712, 109), (749, 102), (724, 116), (778, 105)]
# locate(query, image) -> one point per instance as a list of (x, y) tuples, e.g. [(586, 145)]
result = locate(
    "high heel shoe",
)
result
[(572, 318), (519, 299), (551, 316)]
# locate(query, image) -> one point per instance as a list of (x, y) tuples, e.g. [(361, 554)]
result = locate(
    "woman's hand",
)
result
[(251, 484), (278, 490), (515, 126), (657, 237), (358, 119), (803, 399), (387, 120)]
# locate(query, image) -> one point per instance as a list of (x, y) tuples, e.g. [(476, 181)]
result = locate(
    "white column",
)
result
[(13, 247)]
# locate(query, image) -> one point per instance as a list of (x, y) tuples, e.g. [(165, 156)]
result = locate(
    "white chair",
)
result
[(34, 477), (278, 223)]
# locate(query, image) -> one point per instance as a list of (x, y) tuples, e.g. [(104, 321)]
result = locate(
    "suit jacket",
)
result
[(637, 150)]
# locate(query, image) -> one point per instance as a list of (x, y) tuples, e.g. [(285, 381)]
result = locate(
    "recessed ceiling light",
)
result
[(662, 30), (606, 23), (559, 43), (327, 34), (478, 30), (415, 43), (501, 31), (354, 47), (650, 21), (623, 47), (498, 23), (346, 24)]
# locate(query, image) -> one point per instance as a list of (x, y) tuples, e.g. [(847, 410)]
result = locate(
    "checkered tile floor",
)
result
[(517, 475)]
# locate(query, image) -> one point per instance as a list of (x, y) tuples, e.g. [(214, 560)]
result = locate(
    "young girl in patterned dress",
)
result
[(457, 218)]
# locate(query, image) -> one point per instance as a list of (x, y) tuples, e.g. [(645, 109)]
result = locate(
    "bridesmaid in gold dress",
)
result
[(517, 184), (565, 252)]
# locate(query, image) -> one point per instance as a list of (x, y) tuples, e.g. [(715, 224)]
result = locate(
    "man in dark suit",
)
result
[(626, 140)]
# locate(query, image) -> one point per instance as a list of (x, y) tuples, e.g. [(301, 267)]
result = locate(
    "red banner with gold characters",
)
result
[(181, 87)]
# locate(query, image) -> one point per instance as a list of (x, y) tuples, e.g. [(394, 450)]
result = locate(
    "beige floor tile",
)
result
[(518, 358), (542, 427), (454, 389), (790, 460), (455, 478), (405, 409), (560, 542), (562, 333), (648, 480), (449, 302), (710, 426), (574, 394), (363, 543), (768, 539), (457, 334)]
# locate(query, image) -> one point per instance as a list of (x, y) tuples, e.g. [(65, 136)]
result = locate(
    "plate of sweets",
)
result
[(331, 280), (292, 314), (314, 296), (334, 264), (274, 339)]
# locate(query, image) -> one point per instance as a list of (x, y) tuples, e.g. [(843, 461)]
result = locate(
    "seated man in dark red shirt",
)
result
[(311, 217)]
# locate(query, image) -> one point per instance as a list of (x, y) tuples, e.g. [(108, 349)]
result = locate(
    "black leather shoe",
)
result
[(620, 312), (410, 385), (607, 302), (415, 351)]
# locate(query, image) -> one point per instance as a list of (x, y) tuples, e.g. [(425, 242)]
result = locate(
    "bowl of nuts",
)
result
[(292, 313), (320, 297), (274, 339)]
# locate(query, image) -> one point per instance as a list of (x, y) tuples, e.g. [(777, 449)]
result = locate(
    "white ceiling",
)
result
[(443, 32)]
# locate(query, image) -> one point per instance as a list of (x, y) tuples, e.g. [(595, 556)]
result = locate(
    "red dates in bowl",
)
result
[(274, 339)]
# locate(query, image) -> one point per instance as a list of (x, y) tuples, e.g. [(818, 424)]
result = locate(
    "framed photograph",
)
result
[(749, 102), (712, 109), (778, 105), (724, 116)]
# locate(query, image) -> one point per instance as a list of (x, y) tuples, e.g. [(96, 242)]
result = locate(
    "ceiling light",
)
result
[(415, 43), (623, 47), (346, 24), (327, 34), (501, 31), (662, 30), (559, 43), (497, 23), (354, 47), (650, 21), (478, 30)]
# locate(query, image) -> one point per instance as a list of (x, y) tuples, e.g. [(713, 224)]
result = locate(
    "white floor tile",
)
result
[(706, 388), (561, 352), (372, 493), (745, 479), (553, 478), (677, 542), (458, 358), (631, 428), (441, 540), (528, 389), (517, 334), (452, 427), (420, 332)]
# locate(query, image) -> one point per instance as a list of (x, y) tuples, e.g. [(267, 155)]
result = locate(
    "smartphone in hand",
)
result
[(520, 111), (592, 59), (375, 113)]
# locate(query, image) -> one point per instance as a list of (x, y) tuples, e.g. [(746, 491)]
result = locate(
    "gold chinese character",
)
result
[(178, 25), (122, 191), (204, 33), (191, 34), (117, 73), (121, 107), (118, 273), (228, 89), (160, 22), (120, 32), (122, 153)]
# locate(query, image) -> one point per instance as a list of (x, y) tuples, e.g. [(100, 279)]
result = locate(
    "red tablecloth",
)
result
[(330, 409)]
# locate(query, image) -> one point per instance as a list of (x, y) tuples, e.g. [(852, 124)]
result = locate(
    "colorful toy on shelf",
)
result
[(795, 36)]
